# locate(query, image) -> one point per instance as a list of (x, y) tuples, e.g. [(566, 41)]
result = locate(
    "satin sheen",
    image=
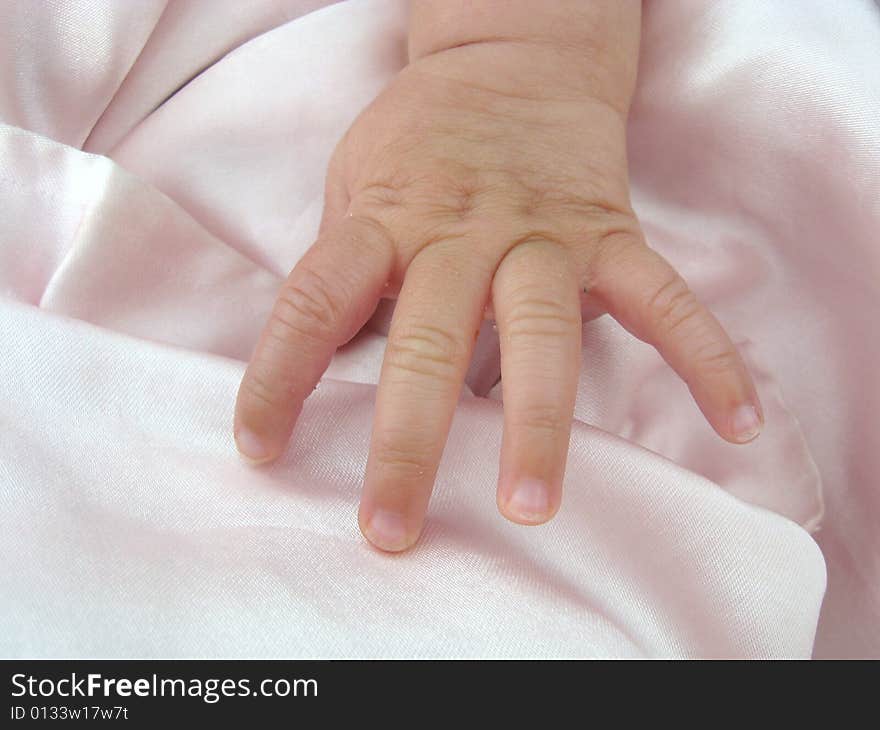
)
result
[(162, 169)]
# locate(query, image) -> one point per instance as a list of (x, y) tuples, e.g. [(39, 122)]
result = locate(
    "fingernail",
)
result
[(530, 500), (250, 446), (745, 423), (387, 531)]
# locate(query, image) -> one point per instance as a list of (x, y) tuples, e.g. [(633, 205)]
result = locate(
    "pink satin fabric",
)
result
[(162, 169)]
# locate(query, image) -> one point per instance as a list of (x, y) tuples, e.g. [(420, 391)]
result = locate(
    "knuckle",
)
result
[(385, 197), (615, 247), (379, 207), (309, 306), (563, 196), (425, 350), (533, 316), (613, 251), (373, 236), (717, 358), (422, 207), (673, 305), (555, 202), (262, 389), (382, 195), (541, 419), (450, 193), (533, 236), (402, 454)]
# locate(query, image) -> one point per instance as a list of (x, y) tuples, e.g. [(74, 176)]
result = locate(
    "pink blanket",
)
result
[(162, 168)]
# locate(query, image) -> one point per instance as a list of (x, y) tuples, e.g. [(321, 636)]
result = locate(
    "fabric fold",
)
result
[(135, 277)]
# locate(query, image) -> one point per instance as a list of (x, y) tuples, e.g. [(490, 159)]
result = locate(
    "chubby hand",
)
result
[(480, 180)]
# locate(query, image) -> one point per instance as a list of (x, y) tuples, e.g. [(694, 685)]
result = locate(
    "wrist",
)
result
[(556, 47)]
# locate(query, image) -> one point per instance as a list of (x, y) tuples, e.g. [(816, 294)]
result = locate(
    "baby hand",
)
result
[(491, 172)]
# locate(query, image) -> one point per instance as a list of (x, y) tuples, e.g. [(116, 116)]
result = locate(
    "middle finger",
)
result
[(430, 343)]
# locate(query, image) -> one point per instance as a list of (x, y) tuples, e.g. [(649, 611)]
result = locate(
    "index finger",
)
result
[(327, 298)]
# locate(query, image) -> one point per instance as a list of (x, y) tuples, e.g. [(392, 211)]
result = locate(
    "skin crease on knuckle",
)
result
[(533, 318), (673, 305), (308, 307), (422, 350)]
